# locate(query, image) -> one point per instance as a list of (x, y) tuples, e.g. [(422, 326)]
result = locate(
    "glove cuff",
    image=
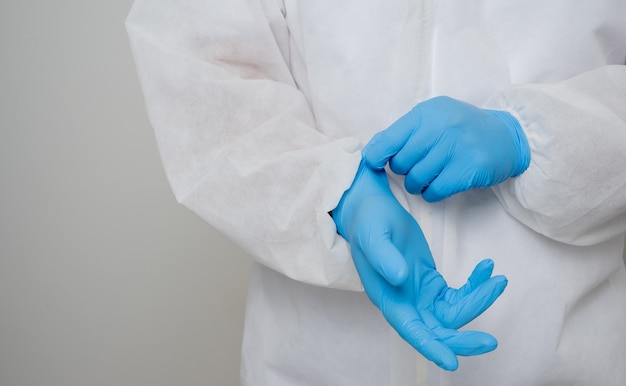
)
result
[(366, 182), (517, 133)]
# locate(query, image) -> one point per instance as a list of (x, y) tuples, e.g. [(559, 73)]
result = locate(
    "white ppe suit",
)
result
[(261, 107)]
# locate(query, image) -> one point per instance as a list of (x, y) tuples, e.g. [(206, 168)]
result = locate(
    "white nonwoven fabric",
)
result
[(260, 109)]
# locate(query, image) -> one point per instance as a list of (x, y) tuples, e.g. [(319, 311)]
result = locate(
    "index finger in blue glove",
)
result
[(481, 273), (426, 172), (454, 174), (388, 142)]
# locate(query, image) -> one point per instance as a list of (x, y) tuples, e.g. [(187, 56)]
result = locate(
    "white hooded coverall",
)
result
[(261, 107)]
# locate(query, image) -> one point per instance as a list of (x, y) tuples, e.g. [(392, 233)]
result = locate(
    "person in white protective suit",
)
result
[(261, 109)]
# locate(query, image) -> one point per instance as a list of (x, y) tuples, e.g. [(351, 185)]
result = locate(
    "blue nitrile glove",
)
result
[(445, 146), (399, 275)]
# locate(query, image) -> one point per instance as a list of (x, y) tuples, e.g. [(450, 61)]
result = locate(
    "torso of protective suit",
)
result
[(261, 107)]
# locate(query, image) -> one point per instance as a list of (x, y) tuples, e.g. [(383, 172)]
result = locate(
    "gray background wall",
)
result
[(104, 279)]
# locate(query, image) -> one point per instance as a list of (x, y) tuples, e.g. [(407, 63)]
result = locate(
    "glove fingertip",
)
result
[(372, 159), (488, 344), (500, 281), (430, 196), (450, 365), (482, 272), (486, 264), (471, 343), (438, 190), (503, 282), (494, 288), (440, 354)]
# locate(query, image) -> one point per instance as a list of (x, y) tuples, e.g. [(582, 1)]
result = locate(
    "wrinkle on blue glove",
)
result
[(444, 146)]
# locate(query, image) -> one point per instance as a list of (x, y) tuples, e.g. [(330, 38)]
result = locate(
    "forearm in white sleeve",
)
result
[(236, 136), (574, 190)]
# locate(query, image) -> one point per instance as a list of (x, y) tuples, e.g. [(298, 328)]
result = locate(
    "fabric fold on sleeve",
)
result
[(574, 190), (238, 140)]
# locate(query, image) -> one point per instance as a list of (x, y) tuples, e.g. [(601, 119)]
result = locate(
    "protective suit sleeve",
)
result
[(238, 139), (574, 190)]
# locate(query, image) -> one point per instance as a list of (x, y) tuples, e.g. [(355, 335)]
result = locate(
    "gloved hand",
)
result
[(445, 146), (399, 275)]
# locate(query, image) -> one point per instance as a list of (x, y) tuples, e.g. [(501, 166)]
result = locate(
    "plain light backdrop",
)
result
[(104, 279)]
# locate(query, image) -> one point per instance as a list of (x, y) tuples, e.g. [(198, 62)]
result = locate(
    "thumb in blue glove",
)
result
[(400, 278), (445, 146)]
